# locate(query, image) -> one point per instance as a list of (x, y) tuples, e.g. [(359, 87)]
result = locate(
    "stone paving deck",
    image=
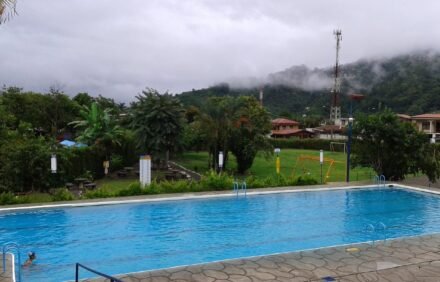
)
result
[(7, 275), (409, 259)]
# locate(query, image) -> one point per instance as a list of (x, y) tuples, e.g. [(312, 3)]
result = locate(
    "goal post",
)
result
[(302, 161), (342, 145)]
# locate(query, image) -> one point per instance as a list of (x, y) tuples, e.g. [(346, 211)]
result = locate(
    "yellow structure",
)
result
[(300, 161)]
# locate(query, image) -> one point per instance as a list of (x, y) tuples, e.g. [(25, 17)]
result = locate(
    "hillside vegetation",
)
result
[(405, 84)]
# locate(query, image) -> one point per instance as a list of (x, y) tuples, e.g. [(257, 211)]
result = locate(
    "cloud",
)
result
[(117, 48)]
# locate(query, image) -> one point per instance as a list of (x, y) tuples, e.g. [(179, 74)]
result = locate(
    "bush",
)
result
[(102, 192), (132, 190), (8, 199), (116, 163), (310, 144), (215, 181), (62, 194)]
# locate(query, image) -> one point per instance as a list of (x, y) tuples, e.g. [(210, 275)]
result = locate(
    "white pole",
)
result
[(145, 170), (321, 160), (220, 160), (53, 163)]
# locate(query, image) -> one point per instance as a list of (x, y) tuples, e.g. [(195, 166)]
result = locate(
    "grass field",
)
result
[(290, 165)]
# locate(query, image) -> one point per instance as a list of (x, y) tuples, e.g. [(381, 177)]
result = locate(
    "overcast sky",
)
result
[(117, 48)]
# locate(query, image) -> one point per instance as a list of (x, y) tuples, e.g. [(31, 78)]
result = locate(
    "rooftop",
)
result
[(284, 121), (427, 116)]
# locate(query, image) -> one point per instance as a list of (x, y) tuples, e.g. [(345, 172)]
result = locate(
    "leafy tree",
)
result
[(83, 99), (393, 148), (157, 120), (215, 123), (251, 124), (99, 128), (58, 110), (232, 124), (49, 113)]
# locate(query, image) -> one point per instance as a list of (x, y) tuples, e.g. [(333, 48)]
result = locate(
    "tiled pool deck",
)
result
[(410, 259), (6, 276), (407, 259)]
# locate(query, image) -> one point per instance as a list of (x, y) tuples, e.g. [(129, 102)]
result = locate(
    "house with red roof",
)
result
[(285, 128)]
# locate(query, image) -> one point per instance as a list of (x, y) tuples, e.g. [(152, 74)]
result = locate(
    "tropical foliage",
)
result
[(99, 128), (227, 124), (393, 148), (157, 120)]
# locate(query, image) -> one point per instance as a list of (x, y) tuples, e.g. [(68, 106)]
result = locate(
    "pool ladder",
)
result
[(11, 246), (379, 227), (237, 186), (379, 180)]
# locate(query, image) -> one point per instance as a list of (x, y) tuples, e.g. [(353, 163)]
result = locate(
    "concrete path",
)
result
[(411, 259)]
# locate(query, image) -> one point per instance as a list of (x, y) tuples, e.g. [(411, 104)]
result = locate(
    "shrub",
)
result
[(102, 192), (116, 162), (133, 189), (8, 198), (215, 181), (305, 180), (311, 144), (62, 194)]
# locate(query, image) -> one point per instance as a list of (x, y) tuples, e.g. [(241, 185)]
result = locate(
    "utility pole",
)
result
[(335, 108), (261, 97)]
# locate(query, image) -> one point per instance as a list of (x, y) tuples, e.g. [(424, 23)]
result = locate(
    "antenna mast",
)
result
[(335, 108)]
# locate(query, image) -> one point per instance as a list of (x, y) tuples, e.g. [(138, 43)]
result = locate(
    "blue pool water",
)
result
[(133, 237)]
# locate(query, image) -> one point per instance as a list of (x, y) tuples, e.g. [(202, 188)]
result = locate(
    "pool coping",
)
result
[(186, 196)]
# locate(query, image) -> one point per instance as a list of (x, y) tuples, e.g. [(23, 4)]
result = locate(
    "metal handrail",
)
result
[(9, 247), (382, 179), (78, 265), (237, 187), (379, 180), (244, 187), (376, 179)]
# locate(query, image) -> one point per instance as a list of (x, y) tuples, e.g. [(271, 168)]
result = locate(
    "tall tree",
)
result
[(251, 124), (157, 120), (99, 128), (393, 148)]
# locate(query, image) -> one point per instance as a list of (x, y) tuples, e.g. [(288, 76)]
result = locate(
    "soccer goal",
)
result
[(338, 146), (310, 165)]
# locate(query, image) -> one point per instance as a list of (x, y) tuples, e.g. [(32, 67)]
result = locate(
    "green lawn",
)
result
[(290, 165)]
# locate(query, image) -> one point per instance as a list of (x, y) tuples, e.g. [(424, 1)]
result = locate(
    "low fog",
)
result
[(116, 48)]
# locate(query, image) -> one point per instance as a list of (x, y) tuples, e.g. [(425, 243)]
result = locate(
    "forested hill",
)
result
[(406, 84)]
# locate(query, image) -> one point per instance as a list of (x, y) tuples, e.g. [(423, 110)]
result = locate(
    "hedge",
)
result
[(310, 144)]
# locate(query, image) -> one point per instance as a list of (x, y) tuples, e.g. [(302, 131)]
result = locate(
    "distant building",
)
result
[(285, 128), (427, 123), (330, 131)]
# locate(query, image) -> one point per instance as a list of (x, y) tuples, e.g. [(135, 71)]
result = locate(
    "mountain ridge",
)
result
[(408, 83)]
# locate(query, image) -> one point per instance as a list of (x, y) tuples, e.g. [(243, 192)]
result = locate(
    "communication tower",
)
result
[(335, 108)]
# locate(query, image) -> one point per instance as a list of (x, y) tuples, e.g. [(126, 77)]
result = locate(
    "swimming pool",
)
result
[(133, 237)]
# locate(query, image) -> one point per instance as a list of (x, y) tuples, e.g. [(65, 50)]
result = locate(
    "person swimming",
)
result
[(31, 257)]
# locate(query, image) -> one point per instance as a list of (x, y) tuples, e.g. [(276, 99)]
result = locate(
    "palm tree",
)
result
[(98, 128), (7, 10), (157, 120)]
